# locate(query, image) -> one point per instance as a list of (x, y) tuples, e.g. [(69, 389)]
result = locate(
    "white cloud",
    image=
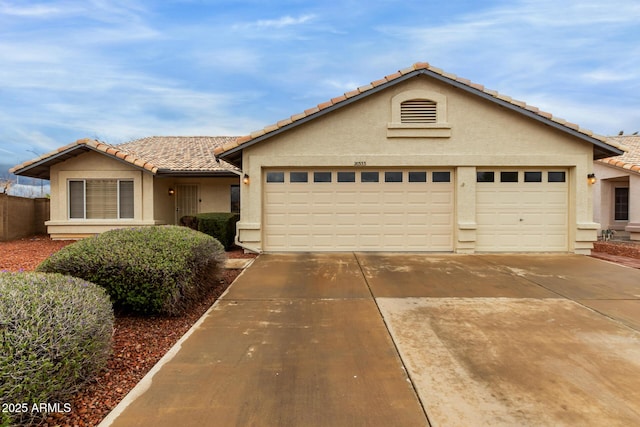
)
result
[(282, 22), (33, 11)]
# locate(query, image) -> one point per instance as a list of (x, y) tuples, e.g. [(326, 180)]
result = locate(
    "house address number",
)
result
[(359, 163)]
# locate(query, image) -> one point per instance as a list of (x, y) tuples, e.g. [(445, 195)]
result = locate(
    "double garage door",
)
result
[(367, 210), (411, 210)]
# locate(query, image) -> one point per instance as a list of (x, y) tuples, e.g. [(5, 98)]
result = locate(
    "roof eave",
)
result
[(197, 173), (42, 167), (237, 159), (601, 148)]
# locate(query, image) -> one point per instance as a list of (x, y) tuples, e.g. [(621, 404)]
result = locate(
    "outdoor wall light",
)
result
[(245, 179), (172, 191), (591, 178)]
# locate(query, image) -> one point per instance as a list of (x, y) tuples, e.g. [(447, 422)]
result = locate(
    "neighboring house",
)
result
[(617, 191), (96, 186), (420, 160)]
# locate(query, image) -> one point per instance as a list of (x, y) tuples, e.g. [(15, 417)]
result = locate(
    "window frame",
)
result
[(234, 198), (298, 177), (118, 195), (270, 177), (617, 203)]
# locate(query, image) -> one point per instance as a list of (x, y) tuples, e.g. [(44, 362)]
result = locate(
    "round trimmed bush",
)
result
[(145, 270), (55, 334)]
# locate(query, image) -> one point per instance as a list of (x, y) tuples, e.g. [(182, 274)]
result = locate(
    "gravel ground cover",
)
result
[(138, 342), (620, 248)]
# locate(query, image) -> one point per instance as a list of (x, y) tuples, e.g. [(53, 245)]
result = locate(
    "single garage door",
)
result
[(364, 210), (522, 210)]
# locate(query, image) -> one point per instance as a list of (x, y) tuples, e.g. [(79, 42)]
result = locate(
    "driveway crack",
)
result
[(395, 346)]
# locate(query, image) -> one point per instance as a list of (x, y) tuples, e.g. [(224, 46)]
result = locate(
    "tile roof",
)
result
[(630, 160), (417, 67), (156, 154), (180, 153)]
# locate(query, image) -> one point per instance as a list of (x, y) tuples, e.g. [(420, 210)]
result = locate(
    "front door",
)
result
[(186, 200)]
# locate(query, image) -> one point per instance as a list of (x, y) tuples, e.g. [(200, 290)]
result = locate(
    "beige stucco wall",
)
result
[(610, 177), (481, 134), (213, 196), (95, 165), (152, 205)]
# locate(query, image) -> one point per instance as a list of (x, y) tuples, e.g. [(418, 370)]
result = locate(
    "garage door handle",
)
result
[(521, 219)]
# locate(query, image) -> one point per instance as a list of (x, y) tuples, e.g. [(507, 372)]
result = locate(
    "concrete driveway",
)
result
[(408, 340)]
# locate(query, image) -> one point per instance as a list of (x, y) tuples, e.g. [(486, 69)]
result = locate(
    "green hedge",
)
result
[(55, 334), (145, 270), (220, 225)]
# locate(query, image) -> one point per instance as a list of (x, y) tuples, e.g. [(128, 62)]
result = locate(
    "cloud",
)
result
[(279, 23), (32, 11)]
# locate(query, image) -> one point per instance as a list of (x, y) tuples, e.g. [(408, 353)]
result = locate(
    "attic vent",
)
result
[(418, 111)]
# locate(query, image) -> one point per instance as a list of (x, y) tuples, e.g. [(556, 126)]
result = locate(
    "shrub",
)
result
[(220, 225), (146, 270), (55, 334)]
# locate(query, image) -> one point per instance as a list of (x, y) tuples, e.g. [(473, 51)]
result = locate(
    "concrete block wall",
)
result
[(22, 217)]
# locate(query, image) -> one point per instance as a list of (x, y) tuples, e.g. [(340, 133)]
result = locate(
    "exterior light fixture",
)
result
[(172, 191), (245, 179), (591, 178)]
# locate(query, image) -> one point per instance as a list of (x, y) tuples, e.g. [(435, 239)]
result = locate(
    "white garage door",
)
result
[(522, 210), (366, 210)]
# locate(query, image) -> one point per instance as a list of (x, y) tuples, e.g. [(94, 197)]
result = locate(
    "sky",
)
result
[(118, 70)]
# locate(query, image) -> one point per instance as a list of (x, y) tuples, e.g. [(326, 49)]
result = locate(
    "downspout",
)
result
[(236, 238), (245, 246)]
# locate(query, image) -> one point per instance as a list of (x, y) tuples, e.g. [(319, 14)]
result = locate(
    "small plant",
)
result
[(146, 270), (55, 335)]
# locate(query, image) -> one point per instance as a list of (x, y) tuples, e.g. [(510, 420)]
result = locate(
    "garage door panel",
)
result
[(522, 216), (417, 198), (322, 198), (359, 216), (441, 219)]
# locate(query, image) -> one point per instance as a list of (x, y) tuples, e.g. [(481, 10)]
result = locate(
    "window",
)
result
[(441, 177), (275, 176), (418, 111), (322, 177), (556, 177), (533, 177), (393, 177), (346, 177), (369, 177), (235, 198), (485, 177), (126, 199), (298, 177), (621, 204), (508, 176), (101, 199), (417, 177)]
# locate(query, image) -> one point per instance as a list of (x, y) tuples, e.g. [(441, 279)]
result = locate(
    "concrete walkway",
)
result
[(406, 340)]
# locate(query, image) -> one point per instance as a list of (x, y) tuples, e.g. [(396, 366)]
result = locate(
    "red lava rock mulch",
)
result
[(138, 342), (620, 252), (620, 248)]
